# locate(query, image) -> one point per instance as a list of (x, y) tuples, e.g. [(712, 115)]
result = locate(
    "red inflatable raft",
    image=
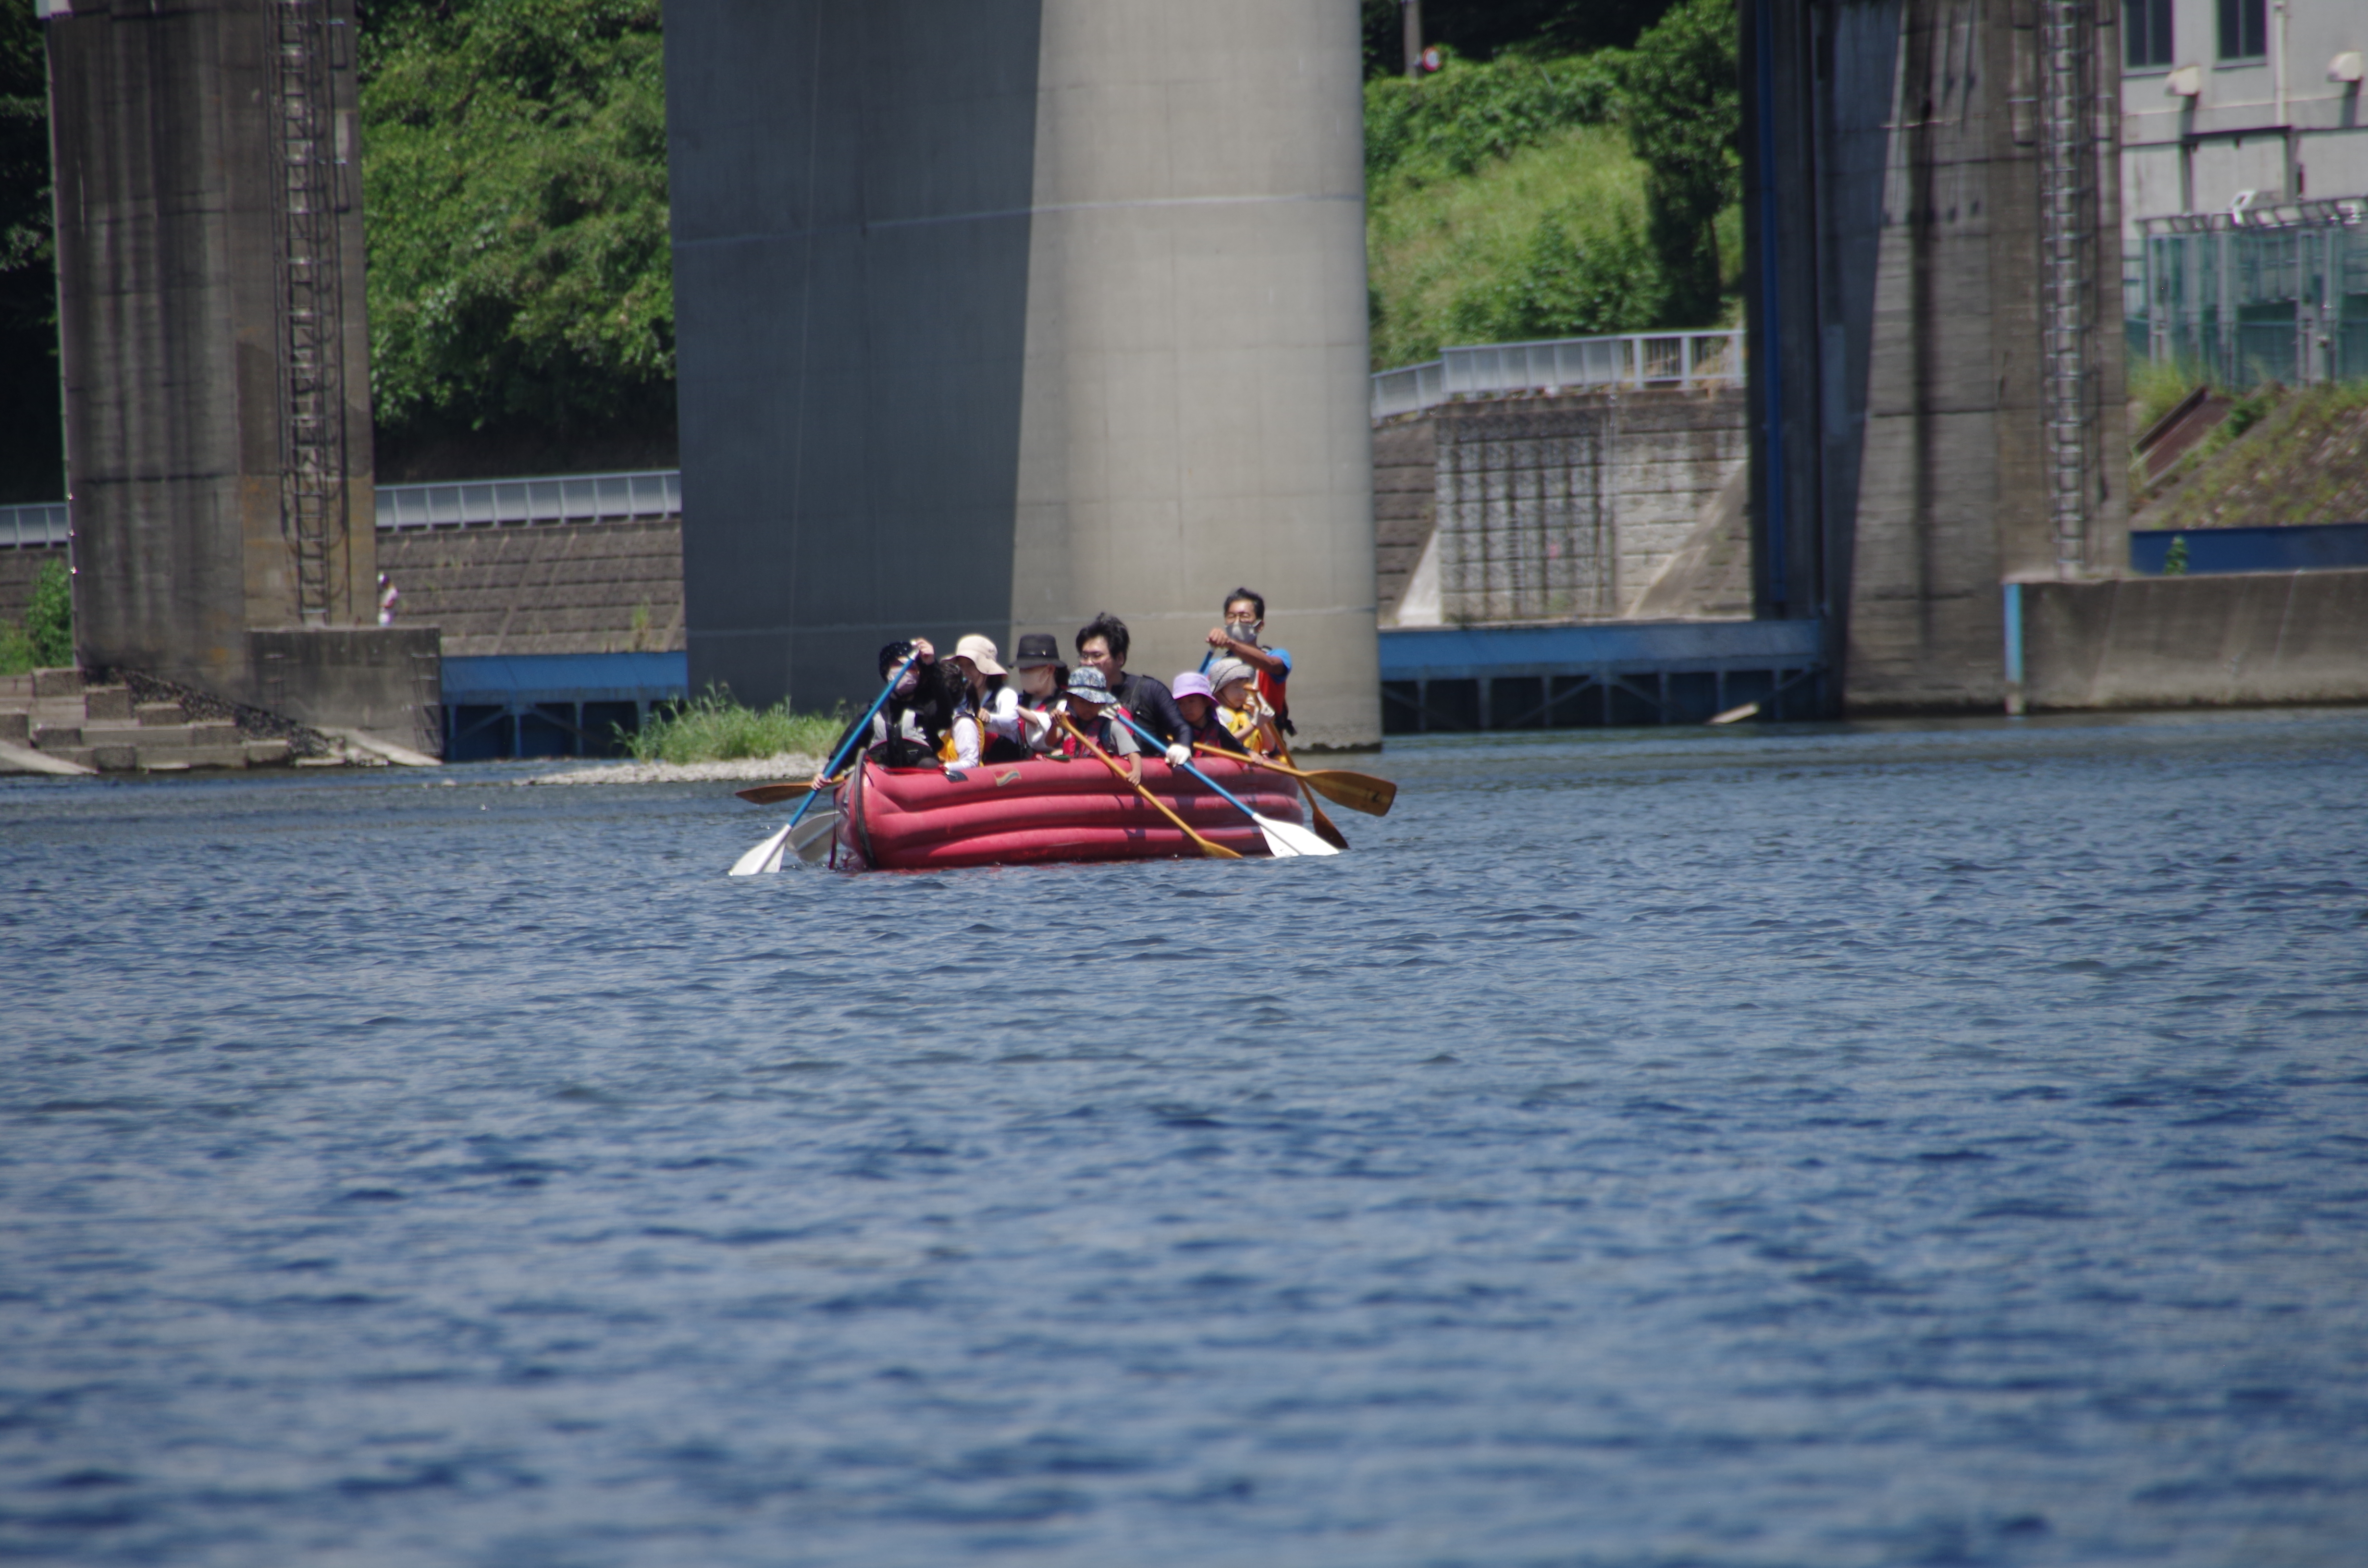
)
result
[(1023, 813)]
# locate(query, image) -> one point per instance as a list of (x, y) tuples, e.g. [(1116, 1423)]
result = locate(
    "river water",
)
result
[(1885, 1144)]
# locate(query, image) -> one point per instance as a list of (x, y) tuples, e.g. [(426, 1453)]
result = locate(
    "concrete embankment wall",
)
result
[(1569, 508), (549, 588), (2254, 640)]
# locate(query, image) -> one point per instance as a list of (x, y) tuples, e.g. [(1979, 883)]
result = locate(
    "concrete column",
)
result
[(1898, 459), (995, 316), (173, 263), (1195, 412)]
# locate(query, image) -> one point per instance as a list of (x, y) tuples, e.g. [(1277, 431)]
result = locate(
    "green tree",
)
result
[(1683, 110), (32, 462), (515, 178)]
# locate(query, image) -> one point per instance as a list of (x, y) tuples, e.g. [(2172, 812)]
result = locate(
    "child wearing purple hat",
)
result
[(1197, 700)]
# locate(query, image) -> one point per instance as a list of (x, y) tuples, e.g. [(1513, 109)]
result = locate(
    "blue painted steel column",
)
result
[(2014, 591), (1771, 361)]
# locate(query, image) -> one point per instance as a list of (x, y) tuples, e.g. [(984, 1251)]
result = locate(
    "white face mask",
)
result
[(1036, 681)]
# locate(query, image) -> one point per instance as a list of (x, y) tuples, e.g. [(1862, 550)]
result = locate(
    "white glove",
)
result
[(1177, 755)]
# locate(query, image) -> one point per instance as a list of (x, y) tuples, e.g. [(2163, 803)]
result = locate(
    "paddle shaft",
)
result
[(1128, 720), (1207, 847)]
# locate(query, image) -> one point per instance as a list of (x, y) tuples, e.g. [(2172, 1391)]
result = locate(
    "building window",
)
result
[(2146, 24), (2244, 29)]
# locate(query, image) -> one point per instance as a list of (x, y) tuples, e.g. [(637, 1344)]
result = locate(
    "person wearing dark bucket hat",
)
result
[(1087, 704), (1040, 676)]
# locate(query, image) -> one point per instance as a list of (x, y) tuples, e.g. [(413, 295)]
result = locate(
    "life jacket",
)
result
[(1276, 690), (1242, 723)]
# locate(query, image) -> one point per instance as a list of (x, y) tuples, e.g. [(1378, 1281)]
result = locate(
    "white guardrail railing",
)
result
[(474, 504), (1683, 359), (28, 528), (562, 498)]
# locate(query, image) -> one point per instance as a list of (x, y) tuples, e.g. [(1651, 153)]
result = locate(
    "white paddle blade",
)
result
[(1285, 839), (765, 857), (811, 841)]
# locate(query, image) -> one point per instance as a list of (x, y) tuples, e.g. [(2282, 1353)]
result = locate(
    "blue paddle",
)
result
[(1282, 838), (766, 857)]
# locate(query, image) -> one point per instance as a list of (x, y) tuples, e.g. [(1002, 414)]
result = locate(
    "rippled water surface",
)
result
[(1931, 1144)]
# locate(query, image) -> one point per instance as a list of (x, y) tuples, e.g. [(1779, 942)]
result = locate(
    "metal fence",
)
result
[(563, 498), (2277, 294), (1683, 359), (26, 528)]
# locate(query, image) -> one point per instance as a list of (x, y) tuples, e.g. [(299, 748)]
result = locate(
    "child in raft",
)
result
[(1241, 710), (1197, 700), (1087, 707)]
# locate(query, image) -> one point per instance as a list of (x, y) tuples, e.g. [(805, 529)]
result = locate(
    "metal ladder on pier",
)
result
[(2068, 269), (313, 504)]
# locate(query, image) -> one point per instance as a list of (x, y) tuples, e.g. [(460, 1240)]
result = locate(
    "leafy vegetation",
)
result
[(515, 177), (1684, 109), (1520, 199), (1549, 243), (711, 727), (2155, 387), (1447, 126), (46, 638)]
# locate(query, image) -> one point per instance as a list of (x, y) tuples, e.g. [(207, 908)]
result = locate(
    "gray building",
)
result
[(2243, 104)]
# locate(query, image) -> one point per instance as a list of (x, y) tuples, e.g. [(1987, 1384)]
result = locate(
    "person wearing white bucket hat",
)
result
[(987, 728)]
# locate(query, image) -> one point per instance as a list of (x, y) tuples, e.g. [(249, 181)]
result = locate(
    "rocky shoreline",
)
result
[(783, 766)]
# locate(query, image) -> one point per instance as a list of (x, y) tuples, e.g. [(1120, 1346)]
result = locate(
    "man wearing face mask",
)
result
[(1238, 639)]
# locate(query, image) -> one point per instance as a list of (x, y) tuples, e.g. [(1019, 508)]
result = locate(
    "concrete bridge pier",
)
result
[(1931, 213), (217, 359), (996, 315)]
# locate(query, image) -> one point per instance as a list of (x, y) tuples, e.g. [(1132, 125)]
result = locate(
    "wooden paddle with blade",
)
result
[(1315, 817), (766, 857), (1212, 850), (1284, 840), (766, 794), (1358, 791)]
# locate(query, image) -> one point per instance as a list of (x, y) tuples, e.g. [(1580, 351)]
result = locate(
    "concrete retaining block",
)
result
[(2239, 640)]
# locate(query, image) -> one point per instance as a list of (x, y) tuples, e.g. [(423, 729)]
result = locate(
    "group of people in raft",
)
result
[(969, 709)]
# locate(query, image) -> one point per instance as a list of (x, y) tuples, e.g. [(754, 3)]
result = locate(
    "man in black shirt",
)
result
[(1101, 645)]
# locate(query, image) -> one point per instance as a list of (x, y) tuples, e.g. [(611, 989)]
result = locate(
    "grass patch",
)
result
[(711, 727), (2281, 457), (2156, 388), (46, 640)]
